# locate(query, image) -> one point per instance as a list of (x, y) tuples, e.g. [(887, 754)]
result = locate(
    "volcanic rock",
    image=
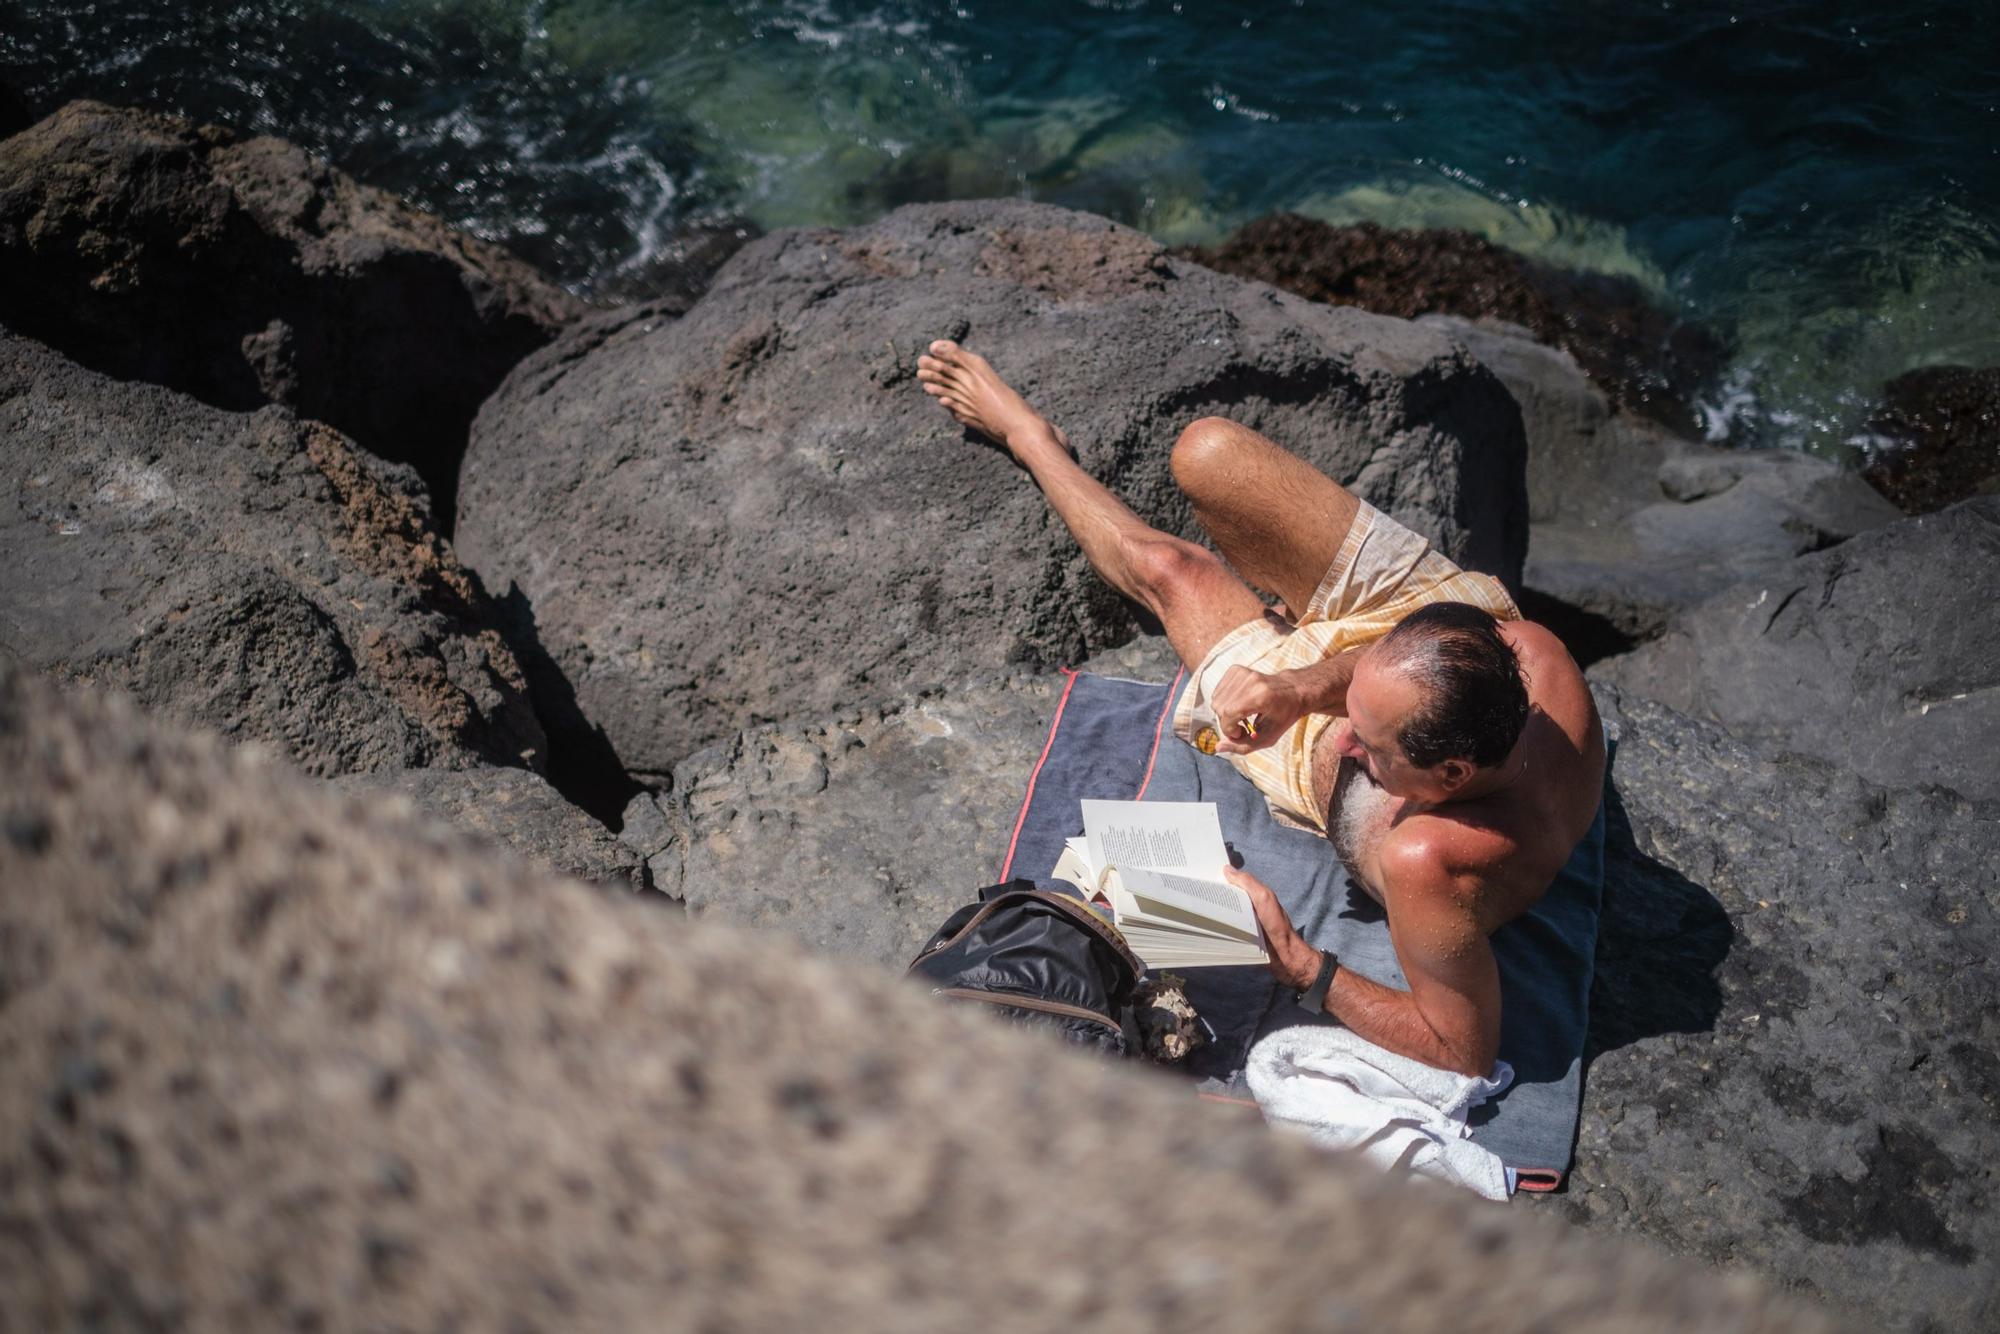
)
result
[(250, 571), (276, 1059), (1641, 356), (1793, 1024), (1940, 428), (858, 834), (753, 513), (245, 271), (1632, 523), (1882, 654), (519, 810)]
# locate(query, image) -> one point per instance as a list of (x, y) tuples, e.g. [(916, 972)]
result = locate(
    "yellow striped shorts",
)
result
[(1382, 573)]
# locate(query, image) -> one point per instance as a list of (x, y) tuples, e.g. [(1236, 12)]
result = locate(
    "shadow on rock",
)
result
[(1589, 636), (1661, 940), (582, 765)]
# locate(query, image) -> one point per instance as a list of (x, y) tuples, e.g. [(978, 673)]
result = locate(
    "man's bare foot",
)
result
[(968, 387)]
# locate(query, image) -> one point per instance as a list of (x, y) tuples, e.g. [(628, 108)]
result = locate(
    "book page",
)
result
[(1213, 904), (1184, 837)]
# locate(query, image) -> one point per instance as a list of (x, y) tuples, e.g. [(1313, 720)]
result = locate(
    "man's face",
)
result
[(1377, 703)]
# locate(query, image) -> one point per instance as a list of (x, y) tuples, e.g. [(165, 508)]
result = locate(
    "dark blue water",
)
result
[(1819, 183)]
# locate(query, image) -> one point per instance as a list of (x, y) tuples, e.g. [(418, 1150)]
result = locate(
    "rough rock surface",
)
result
[(753, 512), (518, 810), (1643, 357), (245, 271), (1882, 654), (857, 835), (1794, 1026), (1942, 428), (279, 1060), (1746, 1018), (250, 571), (1631, 523)]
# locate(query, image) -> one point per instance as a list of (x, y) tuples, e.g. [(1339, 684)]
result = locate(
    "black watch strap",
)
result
[(1313, 998)]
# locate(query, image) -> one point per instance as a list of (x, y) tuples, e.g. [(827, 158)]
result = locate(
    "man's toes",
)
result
[(945, 349)]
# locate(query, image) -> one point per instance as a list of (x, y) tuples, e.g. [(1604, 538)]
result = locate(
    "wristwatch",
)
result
[(1313, 998)]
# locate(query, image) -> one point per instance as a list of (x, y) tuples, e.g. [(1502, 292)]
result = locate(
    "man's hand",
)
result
[(1293, 962), (1272, 699)]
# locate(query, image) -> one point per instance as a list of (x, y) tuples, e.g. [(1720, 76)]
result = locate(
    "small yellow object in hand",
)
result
[(1248, 722)]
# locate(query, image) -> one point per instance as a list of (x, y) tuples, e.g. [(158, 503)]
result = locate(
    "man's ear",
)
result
[(1454, 774)]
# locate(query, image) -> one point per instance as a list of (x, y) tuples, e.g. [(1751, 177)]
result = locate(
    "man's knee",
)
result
[(1166, 569), (1205, 455)]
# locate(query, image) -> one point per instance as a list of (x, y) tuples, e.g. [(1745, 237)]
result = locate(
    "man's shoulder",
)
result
[(1445, 852)]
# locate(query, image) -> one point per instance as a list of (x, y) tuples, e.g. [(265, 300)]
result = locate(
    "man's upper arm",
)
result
[(1446, 958)]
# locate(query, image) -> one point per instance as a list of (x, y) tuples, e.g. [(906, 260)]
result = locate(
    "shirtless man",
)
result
[(1448, 748)]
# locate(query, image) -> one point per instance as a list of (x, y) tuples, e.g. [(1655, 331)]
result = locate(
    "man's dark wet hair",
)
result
[(1475, 701)]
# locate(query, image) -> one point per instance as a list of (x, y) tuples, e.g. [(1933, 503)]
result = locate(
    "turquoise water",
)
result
[(1819, 183)]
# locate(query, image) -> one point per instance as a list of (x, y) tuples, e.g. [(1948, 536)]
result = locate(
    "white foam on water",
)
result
[(1815, 343)]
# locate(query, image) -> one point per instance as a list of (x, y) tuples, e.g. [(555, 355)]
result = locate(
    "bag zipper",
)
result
[(1028, 1003)]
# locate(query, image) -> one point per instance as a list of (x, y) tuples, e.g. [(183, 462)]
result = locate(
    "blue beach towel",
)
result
[(1111, 739)]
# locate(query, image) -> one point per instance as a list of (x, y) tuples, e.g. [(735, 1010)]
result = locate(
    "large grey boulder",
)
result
[(753, 513), (275, 1059), (518, 810), (1794, 1026), (1631, 524), (1882, 654), (252, 572), (245, 271)]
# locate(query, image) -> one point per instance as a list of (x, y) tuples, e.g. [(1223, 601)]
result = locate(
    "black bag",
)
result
[(1043, 960)]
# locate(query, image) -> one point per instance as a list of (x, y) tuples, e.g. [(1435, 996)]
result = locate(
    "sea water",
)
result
[(1818, 183)]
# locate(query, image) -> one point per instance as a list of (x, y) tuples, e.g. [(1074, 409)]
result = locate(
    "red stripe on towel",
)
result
[(1159, 730), (1007, 867), (1537, 1180)]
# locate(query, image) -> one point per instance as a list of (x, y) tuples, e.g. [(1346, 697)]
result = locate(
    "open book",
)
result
[(1156, 867)]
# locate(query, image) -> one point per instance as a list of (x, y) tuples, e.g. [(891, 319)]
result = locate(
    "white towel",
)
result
[(1347, 1093)]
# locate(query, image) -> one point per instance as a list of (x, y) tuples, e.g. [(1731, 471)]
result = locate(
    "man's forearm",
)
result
[(1391, 1019), (1322, 686)]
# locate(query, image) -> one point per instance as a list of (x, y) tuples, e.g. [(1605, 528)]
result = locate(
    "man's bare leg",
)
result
[(1277, 519), (1185, 586)]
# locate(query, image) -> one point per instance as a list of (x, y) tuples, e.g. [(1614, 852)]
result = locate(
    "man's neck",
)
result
[(1499, 778)]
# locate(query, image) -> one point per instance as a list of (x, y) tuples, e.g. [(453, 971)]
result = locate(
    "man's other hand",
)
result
[(1273, 700), (1293, 962)]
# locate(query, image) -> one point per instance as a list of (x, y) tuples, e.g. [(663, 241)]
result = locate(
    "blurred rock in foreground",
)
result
[(518, 810), (277, 1059)]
